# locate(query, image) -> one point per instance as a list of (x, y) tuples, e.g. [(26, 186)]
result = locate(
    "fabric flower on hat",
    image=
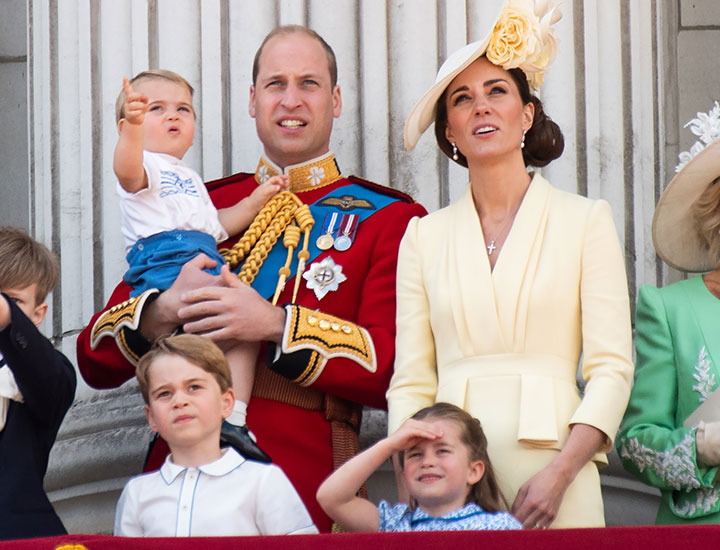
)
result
[(523, 38), (707, 127)]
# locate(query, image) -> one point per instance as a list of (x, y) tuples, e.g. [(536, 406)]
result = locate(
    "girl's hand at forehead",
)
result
[(413, 432)]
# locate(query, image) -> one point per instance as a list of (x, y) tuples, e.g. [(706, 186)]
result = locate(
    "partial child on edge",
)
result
[(201, 489), (37, 386), (444, 460), (167, 215)]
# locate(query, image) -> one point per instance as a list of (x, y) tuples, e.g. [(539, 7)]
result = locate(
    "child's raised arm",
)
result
[(338, 493), (128, 158), (238, 217)]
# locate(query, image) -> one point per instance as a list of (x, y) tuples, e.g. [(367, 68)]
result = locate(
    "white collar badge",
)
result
[(324, 276)]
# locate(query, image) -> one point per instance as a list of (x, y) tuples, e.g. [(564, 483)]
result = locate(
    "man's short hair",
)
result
[(195, 349), (151, 74), (24, 261), (286, 30)]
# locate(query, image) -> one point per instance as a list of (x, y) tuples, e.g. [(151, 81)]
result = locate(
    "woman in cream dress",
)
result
[(502, 294)]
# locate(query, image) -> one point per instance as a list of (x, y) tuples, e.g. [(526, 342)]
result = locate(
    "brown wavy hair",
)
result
[(706, 210), (544, 141), (486, 492)]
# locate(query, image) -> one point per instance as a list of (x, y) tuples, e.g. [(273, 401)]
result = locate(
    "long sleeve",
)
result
[(356, 361), (45, 377), (414, 382), (651, 444), (606, 332)]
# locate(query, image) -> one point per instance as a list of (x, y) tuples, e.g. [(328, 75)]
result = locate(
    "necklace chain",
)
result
[(492, 246)]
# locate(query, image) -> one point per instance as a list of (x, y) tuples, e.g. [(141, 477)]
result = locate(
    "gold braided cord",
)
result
[(275, 218), (235, 255), (306, 222), (265, 243), (291, 241)]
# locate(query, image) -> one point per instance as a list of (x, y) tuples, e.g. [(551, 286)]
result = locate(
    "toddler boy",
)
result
[(201, 489), (37, 386), (167, 215)]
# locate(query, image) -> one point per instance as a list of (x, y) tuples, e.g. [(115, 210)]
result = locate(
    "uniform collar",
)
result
[(229, 460), (470, 509), (307, 176)]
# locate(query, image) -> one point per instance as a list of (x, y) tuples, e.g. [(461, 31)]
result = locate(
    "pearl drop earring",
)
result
[(454, 155), (522, 143)]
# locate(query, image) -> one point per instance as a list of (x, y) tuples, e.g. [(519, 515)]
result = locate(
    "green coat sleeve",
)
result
[(652, 442)]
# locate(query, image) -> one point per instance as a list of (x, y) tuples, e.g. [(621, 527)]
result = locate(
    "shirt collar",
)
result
[(470, 509), (306, 176), (170, 159), (229, 460)]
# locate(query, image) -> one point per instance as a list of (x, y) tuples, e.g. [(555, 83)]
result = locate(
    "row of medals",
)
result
[(343, 224)]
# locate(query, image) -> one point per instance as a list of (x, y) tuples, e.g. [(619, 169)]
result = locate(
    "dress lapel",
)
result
[(516, 266)]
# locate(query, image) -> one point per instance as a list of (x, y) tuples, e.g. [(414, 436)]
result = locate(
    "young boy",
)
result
[(201, 490), (37, 386), (167, 215)]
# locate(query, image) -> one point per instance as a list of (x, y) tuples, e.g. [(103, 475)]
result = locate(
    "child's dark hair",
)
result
[(24, 261), (486, 492)]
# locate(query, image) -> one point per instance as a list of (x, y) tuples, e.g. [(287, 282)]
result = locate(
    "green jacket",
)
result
[(678, 357)]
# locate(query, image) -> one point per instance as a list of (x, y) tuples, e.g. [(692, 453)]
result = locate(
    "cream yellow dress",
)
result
[(505, 344)]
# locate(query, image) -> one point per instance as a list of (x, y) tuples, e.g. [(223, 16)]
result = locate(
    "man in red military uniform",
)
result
[(330, 350)]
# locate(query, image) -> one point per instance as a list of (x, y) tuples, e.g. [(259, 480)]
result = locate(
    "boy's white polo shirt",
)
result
[(228, 497)]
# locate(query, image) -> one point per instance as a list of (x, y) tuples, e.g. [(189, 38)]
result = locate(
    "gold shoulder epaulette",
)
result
[(328, 337), (123, 315)]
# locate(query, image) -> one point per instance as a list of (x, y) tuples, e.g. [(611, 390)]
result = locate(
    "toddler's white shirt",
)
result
[(175, 198), (228, 497)]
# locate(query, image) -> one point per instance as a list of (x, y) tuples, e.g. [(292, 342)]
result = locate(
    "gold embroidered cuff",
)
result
[(327, 337), (125, 315)]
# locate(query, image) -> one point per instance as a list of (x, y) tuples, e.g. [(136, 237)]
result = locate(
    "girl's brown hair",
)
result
[(486, 492)]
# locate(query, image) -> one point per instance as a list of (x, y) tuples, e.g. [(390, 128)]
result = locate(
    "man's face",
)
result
[(292, 101)]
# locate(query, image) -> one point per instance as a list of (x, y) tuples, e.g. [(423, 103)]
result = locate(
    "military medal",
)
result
[(326, 240), (324, 277), (346, 232)]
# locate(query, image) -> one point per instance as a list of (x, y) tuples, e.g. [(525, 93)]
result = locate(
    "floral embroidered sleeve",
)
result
[(652, 442)]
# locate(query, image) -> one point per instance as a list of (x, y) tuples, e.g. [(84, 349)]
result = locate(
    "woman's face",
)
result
[(486, 117)]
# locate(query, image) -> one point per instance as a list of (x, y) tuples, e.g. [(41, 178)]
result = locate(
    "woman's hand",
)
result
[(538, 500)]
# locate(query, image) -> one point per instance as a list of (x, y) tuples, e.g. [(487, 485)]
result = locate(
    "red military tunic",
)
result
[(306, 405)]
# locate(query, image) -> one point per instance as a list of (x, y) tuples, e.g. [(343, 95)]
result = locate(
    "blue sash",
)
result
[(267, 278)]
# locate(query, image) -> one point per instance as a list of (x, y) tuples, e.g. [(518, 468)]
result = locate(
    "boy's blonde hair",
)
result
[(197, 350), (151, 74), (24, 261)]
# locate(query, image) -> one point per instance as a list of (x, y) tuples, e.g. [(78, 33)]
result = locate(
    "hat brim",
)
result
[(675, 237), (423, 113)]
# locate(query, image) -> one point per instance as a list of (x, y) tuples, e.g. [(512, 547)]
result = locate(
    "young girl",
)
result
[(444, 460)]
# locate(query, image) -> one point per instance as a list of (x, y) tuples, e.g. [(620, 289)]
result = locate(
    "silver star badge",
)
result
[(324, 276)]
